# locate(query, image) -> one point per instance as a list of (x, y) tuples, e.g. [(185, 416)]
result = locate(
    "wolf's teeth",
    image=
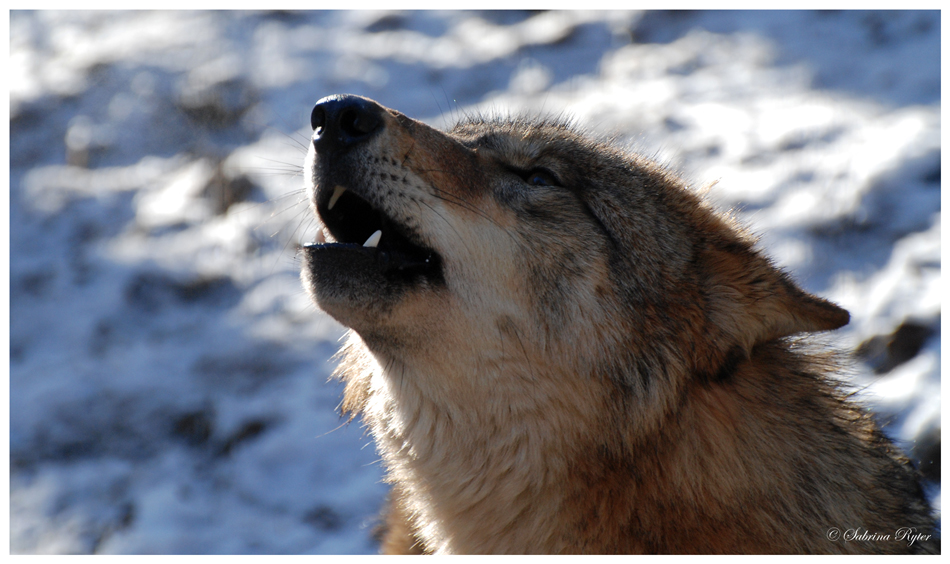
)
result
[(373, 239), (337, 192)]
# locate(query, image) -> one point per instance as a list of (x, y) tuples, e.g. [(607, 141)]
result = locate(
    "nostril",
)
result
[(343, 121), (357, 123), (318, 119)]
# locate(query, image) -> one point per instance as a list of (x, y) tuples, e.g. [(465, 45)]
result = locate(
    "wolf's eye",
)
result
[(541, 177)]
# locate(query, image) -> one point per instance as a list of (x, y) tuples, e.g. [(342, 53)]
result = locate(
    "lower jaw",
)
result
[(388, 262), (341, 275)]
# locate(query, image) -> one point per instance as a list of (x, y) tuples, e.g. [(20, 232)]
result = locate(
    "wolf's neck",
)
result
[(498, 469), (486, 468)]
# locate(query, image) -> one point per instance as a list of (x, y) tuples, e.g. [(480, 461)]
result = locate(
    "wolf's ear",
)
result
[(751, 301)]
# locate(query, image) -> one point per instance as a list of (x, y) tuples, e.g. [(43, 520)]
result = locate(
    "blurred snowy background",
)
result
[(168, 376)]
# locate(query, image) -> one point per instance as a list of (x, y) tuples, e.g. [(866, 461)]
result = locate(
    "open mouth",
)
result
[(354, 225)]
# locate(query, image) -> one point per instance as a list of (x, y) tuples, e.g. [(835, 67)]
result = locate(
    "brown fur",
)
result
[(605, 365)]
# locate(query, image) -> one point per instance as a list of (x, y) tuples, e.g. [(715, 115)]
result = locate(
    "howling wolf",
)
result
[(559, 348)]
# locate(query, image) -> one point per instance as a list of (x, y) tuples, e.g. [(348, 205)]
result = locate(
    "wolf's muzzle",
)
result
[(367, 247)]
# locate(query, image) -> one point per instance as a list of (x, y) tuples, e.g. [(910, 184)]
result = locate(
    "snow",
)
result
[(168, 375)]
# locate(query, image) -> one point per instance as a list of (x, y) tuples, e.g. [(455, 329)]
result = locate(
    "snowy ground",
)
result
[(167, 373)]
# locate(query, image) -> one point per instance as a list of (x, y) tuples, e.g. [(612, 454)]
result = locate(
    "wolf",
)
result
[(559, 347)]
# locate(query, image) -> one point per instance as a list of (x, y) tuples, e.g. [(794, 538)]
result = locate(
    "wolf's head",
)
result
[(512, 254)]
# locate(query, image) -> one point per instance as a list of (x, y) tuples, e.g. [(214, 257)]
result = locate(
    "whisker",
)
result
[(451, 199), (290, 207), (463, 240), (290, 240), (294, 165), (297, 215), (455, 200), (274, 171)]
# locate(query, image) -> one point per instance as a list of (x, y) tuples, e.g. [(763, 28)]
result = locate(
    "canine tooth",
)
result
[(337, 192), (373, 239)]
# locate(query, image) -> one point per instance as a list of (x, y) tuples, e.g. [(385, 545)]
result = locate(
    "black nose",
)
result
[(343, 120)]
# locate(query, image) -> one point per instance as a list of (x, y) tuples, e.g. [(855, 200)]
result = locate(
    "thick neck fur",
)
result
[(572, 471), (478, 467)]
